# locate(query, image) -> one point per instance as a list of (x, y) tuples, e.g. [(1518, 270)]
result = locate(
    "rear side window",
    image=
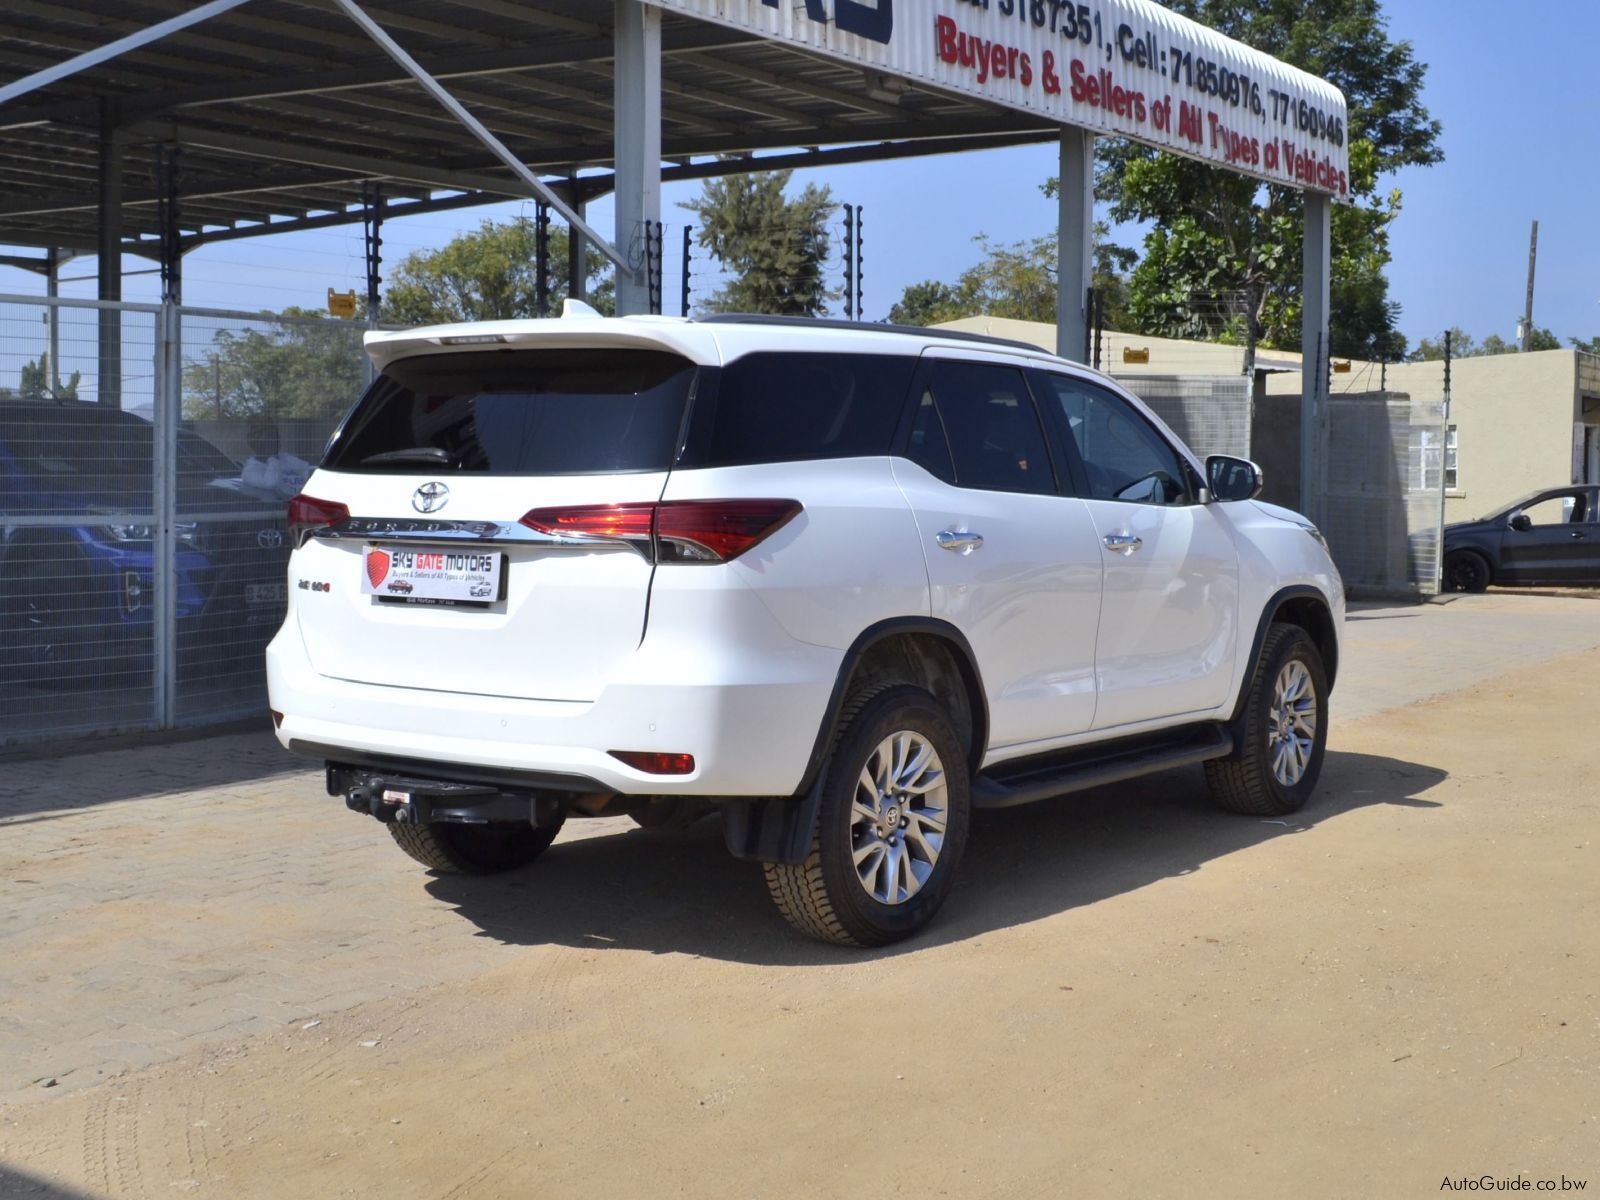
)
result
[(991, 426), (519, 412), (782, 407)]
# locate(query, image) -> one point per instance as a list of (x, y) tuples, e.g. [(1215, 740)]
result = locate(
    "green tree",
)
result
[(1462, 345), (297, 363), (774, 247), (1226, 249), (1016, 280), (1587, 345), (486, 275), (33, 382)]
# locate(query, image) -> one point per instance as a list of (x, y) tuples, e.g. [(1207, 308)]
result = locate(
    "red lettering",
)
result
[(1052, 81), (1011, 61), (1027, 70), (945, 31), (1079, 88)]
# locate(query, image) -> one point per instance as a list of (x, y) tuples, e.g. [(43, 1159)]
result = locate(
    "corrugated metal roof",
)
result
[(283, 108)]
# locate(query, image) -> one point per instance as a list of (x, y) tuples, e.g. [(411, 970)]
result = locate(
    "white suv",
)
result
[(842, 584)]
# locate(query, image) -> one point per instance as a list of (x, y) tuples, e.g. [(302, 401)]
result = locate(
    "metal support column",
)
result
[(167, 395), (1075, 267), (1317, 273), (110, 254), (53, 258), (638, 147), (541, 260), (372, 214), (577, 252), (167, 224), (688, 254)]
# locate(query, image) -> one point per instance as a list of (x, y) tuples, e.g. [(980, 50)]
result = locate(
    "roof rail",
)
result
[(952, 335)]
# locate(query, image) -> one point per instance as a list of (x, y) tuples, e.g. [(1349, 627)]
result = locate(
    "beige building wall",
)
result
[(1513, 414)]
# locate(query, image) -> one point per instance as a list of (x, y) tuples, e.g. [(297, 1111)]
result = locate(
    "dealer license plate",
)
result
[(430, 576)]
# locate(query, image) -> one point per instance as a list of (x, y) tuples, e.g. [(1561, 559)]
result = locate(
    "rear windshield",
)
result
[(519, 412), (792, 407)]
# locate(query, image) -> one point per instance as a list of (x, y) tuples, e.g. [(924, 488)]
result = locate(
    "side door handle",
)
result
[(1123, 543), (959, 541)]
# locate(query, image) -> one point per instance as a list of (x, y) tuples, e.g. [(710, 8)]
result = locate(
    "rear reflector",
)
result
[(654, 763), (277, 718), (308, 514), (685, 531)]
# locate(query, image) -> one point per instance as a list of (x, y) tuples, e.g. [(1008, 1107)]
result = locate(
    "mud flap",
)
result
[(775, 829)]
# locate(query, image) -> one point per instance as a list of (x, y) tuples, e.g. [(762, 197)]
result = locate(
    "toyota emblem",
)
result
[(269, 539), (430, 497)]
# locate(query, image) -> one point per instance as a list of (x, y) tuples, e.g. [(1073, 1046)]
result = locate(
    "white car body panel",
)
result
[(1028, 600), (1169, 613), (737, 663)]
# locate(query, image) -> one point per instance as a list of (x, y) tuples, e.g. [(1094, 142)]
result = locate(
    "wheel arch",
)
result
[(921, 651), (1306, 607)]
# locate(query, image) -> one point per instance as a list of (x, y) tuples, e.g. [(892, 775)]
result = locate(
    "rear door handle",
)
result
[(1123, 543), (959, 541)]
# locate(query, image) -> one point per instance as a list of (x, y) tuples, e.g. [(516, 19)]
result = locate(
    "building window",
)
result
[(1429, 459)]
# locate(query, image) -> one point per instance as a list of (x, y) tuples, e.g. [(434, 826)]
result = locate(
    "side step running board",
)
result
[(1010, 785)]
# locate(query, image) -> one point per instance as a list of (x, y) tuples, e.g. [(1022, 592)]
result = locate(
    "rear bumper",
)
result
[(749, 719)]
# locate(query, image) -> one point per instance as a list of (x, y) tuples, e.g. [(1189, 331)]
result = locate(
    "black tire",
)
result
[(50, 624), (474, 849), (1467, 571), (1245, 781), (823, 897)]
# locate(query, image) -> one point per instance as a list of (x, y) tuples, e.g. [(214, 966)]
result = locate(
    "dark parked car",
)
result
[(77, 562), (1549, 537)]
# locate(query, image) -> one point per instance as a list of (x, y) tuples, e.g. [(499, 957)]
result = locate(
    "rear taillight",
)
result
[(307, 514), (595, 522), (718, 530), (687, 531)]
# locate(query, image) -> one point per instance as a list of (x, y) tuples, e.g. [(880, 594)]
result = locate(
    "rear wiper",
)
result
[(431, 456)]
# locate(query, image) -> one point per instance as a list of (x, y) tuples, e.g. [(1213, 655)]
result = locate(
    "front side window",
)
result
[(990, 425), (1566, 508), (1123, 457)]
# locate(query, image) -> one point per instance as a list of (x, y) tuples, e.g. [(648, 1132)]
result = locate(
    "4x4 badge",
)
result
[(430, 497)]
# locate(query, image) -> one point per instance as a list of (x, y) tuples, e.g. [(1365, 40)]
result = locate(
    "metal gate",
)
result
[(146, 454)]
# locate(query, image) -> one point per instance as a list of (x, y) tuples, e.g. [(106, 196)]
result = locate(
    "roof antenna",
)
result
[(577, 308)]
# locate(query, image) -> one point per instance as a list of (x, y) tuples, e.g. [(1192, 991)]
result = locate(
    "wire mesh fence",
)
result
[(78, 582), (1211, 413), (145, 457), (1382, 495)]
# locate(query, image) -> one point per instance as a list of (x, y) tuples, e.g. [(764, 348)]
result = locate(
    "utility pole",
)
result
[(1527, 316)]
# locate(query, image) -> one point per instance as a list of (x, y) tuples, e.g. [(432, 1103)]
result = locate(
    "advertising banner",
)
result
[(1124, 67)]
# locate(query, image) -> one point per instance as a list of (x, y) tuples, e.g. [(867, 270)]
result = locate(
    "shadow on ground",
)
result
[(58, 784), (666, 893), (14, 1182)]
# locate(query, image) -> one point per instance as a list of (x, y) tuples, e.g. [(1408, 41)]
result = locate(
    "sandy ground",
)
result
[(1128, 994)]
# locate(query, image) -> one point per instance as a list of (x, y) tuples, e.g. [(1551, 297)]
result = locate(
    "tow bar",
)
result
[(406, 800)]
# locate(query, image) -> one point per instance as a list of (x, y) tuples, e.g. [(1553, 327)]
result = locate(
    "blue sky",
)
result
[(1513, 85)]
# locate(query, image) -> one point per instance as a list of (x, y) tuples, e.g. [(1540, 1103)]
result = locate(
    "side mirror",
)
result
[(1229, 478), (1522, 522)]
